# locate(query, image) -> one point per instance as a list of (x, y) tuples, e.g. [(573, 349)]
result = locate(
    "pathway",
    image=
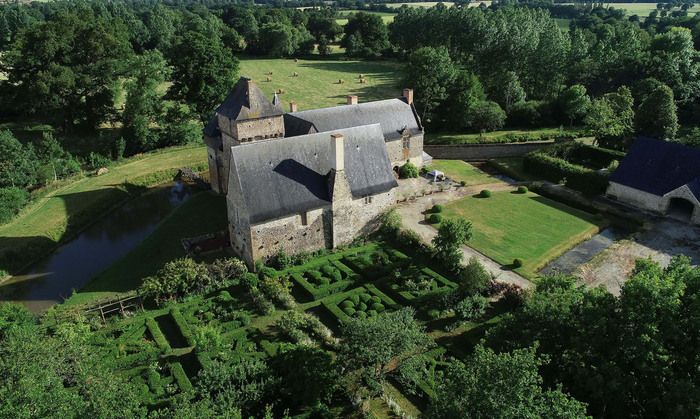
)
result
[(413, 218)]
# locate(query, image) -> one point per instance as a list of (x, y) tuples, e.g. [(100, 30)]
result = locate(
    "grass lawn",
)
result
[(428, 4), (57, 214), (203, 213), (387, 17), (459, 170), (512, 167), (317, 84), (526, 226), (491, 137)]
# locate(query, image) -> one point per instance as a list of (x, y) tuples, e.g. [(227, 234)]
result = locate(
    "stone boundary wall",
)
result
[(472, 152)]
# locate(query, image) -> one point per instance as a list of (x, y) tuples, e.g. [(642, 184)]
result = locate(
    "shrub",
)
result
[(485, 193), (362, 307), (250, 280), (208, 339), (12, 200), (267, 272), (517, 263), (282, 260), (437, 208), (390, 222), (375, 299), (96, 161), (349, 311), (488, 116), (435, 218), (522, 189), (371, 313), (347, 304), (227, 269), (355, 299), (408, 170), (361, 315), (462, 183), (378, 307), (472, 307), (177, 279), (364, 297)]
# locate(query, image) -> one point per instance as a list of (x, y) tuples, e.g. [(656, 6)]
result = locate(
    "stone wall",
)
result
[(650, 202), (472, 152), (259, 129), (293, 234), (214, 157), (396, 153)]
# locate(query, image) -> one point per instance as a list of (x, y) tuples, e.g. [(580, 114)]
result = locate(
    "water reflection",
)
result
[(53, 279)]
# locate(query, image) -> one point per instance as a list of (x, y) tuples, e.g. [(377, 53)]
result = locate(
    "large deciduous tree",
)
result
[(17, 162), (451, 236), (68, 68), (656, 116), (431, 72), (366, 35), (611, 118)]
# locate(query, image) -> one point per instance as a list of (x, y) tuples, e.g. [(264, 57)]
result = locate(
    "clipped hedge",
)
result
[(180, 377), (556, 169), (158, 336), (182, 325)]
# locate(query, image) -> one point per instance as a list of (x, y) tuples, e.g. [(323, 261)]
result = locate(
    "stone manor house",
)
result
[(304, 180)]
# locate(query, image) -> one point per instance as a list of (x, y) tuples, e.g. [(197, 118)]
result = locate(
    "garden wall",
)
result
[(473, 152)]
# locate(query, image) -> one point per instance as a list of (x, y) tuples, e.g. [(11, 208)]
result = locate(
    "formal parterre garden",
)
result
[(163, 349)]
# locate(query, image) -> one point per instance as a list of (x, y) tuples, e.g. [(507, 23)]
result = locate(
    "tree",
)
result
[(574, 102), (675, 62), (176, 279), (506, 385), (144, 102), (204, 72), (307, 375), (179, 126), (487, 116), (59, 162), (611, 118), (451, 236), (656, 116), (507, 90), (284, 40), (372, 343), (17, 162), (464, 96), (365, 36), (431, 73), (67, 68)]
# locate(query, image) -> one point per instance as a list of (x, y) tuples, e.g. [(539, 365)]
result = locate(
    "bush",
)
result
[(517, 263), (378, 307), (522, 189), (437, 208), (347, 304), (349, 311), (487, 116), (371, 313), (375, 299), (435, 219), (177, 279), (364, 297), (250, 280), (408, 170), (434, 314), (471, 308), (267, 272), (462, 183), (12, 200), (227, 269), (362, 307), (485, 193), (96, 161), (355, 299)]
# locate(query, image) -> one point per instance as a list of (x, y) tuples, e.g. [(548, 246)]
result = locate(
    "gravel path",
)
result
[(412, 216)]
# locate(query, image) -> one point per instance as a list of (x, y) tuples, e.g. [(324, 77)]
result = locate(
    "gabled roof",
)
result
[(280, 177), (394, 116), (658, 167)]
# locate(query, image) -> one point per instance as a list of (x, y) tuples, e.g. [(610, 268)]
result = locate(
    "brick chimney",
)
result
[(408, 96), (337, 152), (292, 106), (352, 100)]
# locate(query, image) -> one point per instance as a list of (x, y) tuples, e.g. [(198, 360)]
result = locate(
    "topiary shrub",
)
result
[(437, 208), (378, 307), (435, 218), (362, 307), (485, 193), (375, 299), (434, 314), (462, 183), (371, 313), (408, 170), (349, 311), (522, 189), (355, 299), (347, 304), (361, 315), (517, 263), (364, 297)]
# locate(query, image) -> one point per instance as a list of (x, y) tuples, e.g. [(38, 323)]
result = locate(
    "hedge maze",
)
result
[(164, 349)]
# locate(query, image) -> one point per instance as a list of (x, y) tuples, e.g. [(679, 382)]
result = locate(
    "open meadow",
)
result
[(525, 226), (317, 84)]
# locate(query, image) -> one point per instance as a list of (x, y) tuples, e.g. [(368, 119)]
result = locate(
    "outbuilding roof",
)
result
[(393, 115), (287, 176), (659, 167)]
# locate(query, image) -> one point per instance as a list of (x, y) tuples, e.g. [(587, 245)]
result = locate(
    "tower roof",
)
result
[(247, 101)]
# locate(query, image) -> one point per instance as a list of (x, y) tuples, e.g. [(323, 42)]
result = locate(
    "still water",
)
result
[(75, 263)]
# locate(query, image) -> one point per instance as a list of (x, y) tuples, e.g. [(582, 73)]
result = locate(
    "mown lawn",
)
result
[(492, 137), (387, 17), (58, 214), (317, 84), (459, 170), (527, 226), (203, 213)]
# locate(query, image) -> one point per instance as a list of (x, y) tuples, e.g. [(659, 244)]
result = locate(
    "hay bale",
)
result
[(269, 79)]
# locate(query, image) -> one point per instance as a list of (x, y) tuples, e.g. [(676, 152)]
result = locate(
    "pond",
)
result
[(75, 263)]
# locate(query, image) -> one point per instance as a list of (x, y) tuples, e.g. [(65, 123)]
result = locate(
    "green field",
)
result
[(203, 213), (494, 136), (344, 15), (642, 9), (511, 225), (56, 215), (459, 170), (428, 4), (317, 82)]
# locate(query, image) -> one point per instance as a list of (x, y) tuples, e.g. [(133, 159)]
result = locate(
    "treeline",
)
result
[(519, 59)]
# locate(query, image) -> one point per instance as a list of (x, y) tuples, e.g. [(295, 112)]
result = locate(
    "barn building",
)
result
[(660, 176), (304, 180)]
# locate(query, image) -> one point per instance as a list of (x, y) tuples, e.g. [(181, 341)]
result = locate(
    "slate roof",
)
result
[(394, 115), (245, 101), (287, 176), (659, 167)]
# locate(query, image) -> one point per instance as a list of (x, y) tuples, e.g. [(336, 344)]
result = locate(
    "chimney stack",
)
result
[(337, 152), (352, 100), (408, 96), (292, 106)]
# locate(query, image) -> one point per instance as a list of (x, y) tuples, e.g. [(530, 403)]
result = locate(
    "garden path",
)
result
[(413, 218)]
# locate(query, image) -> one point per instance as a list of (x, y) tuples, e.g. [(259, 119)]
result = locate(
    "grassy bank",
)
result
[(203, 213), (317, 84), (529, 227), (58, 213)]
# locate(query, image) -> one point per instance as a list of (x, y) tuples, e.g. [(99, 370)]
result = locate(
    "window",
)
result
[(304, 218), (406, 143), (368, 199)]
